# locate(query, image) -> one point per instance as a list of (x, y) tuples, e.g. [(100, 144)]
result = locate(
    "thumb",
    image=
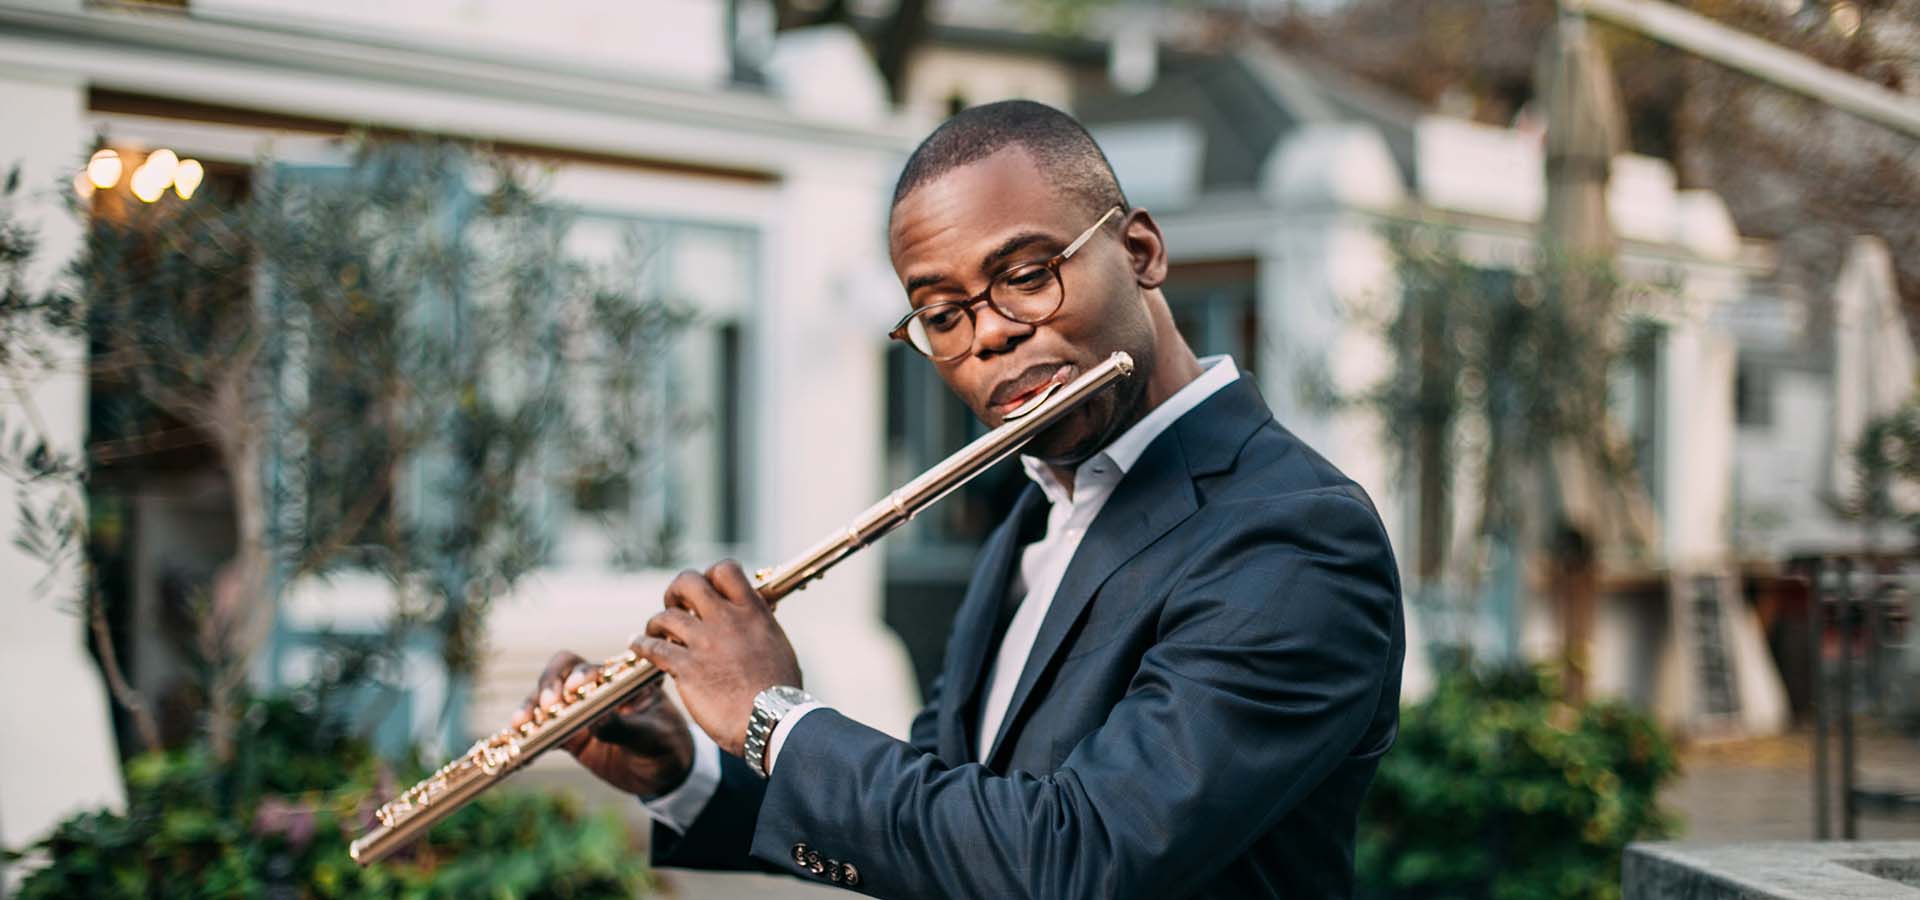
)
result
[(642, 732), (576, 743)]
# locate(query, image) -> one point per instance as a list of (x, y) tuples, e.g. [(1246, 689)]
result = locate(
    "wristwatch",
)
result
[(769, 707)]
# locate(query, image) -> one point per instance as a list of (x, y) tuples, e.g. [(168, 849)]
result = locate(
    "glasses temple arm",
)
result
[(1087, 235)]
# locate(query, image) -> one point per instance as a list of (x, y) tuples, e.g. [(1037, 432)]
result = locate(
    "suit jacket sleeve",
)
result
[(720, 836), (1267, 670), (924, 734)]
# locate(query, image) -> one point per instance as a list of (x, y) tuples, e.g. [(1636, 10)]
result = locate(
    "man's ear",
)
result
[(1146, 249)]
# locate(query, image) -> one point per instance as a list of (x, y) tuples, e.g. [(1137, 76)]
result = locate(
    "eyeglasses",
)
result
[(1030, 293)]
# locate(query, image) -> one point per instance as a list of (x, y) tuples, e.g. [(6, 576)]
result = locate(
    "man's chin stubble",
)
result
[(1115, 421)]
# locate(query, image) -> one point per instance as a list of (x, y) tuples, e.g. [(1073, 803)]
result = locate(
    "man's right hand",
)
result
[(644, 747)]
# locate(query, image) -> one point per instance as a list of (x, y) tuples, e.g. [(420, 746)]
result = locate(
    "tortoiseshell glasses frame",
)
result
[(1028, 293)]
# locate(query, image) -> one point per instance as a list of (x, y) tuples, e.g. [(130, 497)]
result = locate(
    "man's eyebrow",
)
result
[(990, 265), (919, 281)]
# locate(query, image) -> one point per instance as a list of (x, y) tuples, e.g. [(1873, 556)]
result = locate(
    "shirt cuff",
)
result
[(678, 808), (780, 731)]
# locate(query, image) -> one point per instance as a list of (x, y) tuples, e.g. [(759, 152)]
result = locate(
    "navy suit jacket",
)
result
[(1204, 706)]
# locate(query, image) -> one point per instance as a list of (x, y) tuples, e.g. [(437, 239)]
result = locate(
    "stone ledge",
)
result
[(1834, 870)]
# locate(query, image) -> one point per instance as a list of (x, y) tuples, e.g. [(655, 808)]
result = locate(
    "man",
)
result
[(1178, 662)]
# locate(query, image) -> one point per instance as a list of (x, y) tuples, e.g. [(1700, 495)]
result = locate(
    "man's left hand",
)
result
[(719, 641)]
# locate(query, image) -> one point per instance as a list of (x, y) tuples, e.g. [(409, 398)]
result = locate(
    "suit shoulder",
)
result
[(1283, 494), (1275, 464), (1331, 519)]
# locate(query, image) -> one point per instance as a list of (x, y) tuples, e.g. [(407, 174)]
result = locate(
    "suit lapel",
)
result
[(974, 626), (1153, 497)]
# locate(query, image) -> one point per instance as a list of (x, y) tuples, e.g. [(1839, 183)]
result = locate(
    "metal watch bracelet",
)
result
[(769, 707)]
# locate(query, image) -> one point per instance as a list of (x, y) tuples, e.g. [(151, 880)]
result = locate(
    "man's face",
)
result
[(952, 235)]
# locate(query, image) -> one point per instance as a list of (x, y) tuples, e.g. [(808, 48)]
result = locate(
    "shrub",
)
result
[(276, 823), (1497, 789)]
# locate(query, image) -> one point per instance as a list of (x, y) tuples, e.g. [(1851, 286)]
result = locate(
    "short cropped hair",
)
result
[(1056, 141)]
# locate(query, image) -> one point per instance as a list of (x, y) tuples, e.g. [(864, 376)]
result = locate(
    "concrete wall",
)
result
[(58, 757)]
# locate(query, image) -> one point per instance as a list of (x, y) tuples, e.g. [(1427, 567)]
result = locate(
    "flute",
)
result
[(408, 816)]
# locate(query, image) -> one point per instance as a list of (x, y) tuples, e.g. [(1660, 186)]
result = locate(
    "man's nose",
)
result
[(995, 333)]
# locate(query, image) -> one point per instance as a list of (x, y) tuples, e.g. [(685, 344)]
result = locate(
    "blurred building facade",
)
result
[(1274, 176), (763, 202), (1814, 368)]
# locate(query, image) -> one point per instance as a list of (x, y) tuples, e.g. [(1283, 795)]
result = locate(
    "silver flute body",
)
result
[(408, 816)]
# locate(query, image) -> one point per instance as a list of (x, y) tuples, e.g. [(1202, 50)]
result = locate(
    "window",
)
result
[(925, 423), (1215, 307), (684, 498), (1635, 398), (1752, 395)]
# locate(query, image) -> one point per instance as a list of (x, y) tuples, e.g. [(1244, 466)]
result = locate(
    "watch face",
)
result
[(789, 694)]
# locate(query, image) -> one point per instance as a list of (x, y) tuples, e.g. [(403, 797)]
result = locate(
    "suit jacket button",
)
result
[(833, 871), (849, 875), (800, 854), (815, 864)]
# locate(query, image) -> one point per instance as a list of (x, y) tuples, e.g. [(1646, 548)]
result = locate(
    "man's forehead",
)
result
[(974, 201)]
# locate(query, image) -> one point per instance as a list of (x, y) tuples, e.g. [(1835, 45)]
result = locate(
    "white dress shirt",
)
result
[(1042, 564)]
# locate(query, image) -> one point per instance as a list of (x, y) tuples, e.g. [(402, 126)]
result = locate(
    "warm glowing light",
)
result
[(103, 170), (1845, 18), (162, 162), (83, 186), (186, 178), (148, 183)]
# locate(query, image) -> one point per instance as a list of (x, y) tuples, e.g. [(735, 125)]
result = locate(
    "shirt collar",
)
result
[(1216, 372)]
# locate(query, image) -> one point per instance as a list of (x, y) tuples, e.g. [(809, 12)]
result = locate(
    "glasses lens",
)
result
[(941, 332), (1028, 294)]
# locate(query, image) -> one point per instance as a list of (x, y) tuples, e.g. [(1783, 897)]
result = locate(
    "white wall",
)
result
[(1697, 444), (1782, 473), (820, 435), (937, 73), (58, 757), (671, 40), (1324, 268)]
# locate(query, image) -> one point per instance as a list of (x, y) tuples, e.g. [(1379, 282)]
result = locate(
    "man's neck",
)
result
[(1169, 376), (1064, 475)]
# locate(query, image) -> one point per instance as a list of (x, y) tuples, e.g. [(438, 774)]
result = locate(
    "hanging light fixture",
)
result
[(161, 169), (163, 162), (186, 178), (148, 183), (103, 170)]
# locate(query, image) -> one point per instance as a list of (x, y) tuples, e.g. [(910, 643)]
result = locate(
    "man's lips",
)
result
[(1010, 394)]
